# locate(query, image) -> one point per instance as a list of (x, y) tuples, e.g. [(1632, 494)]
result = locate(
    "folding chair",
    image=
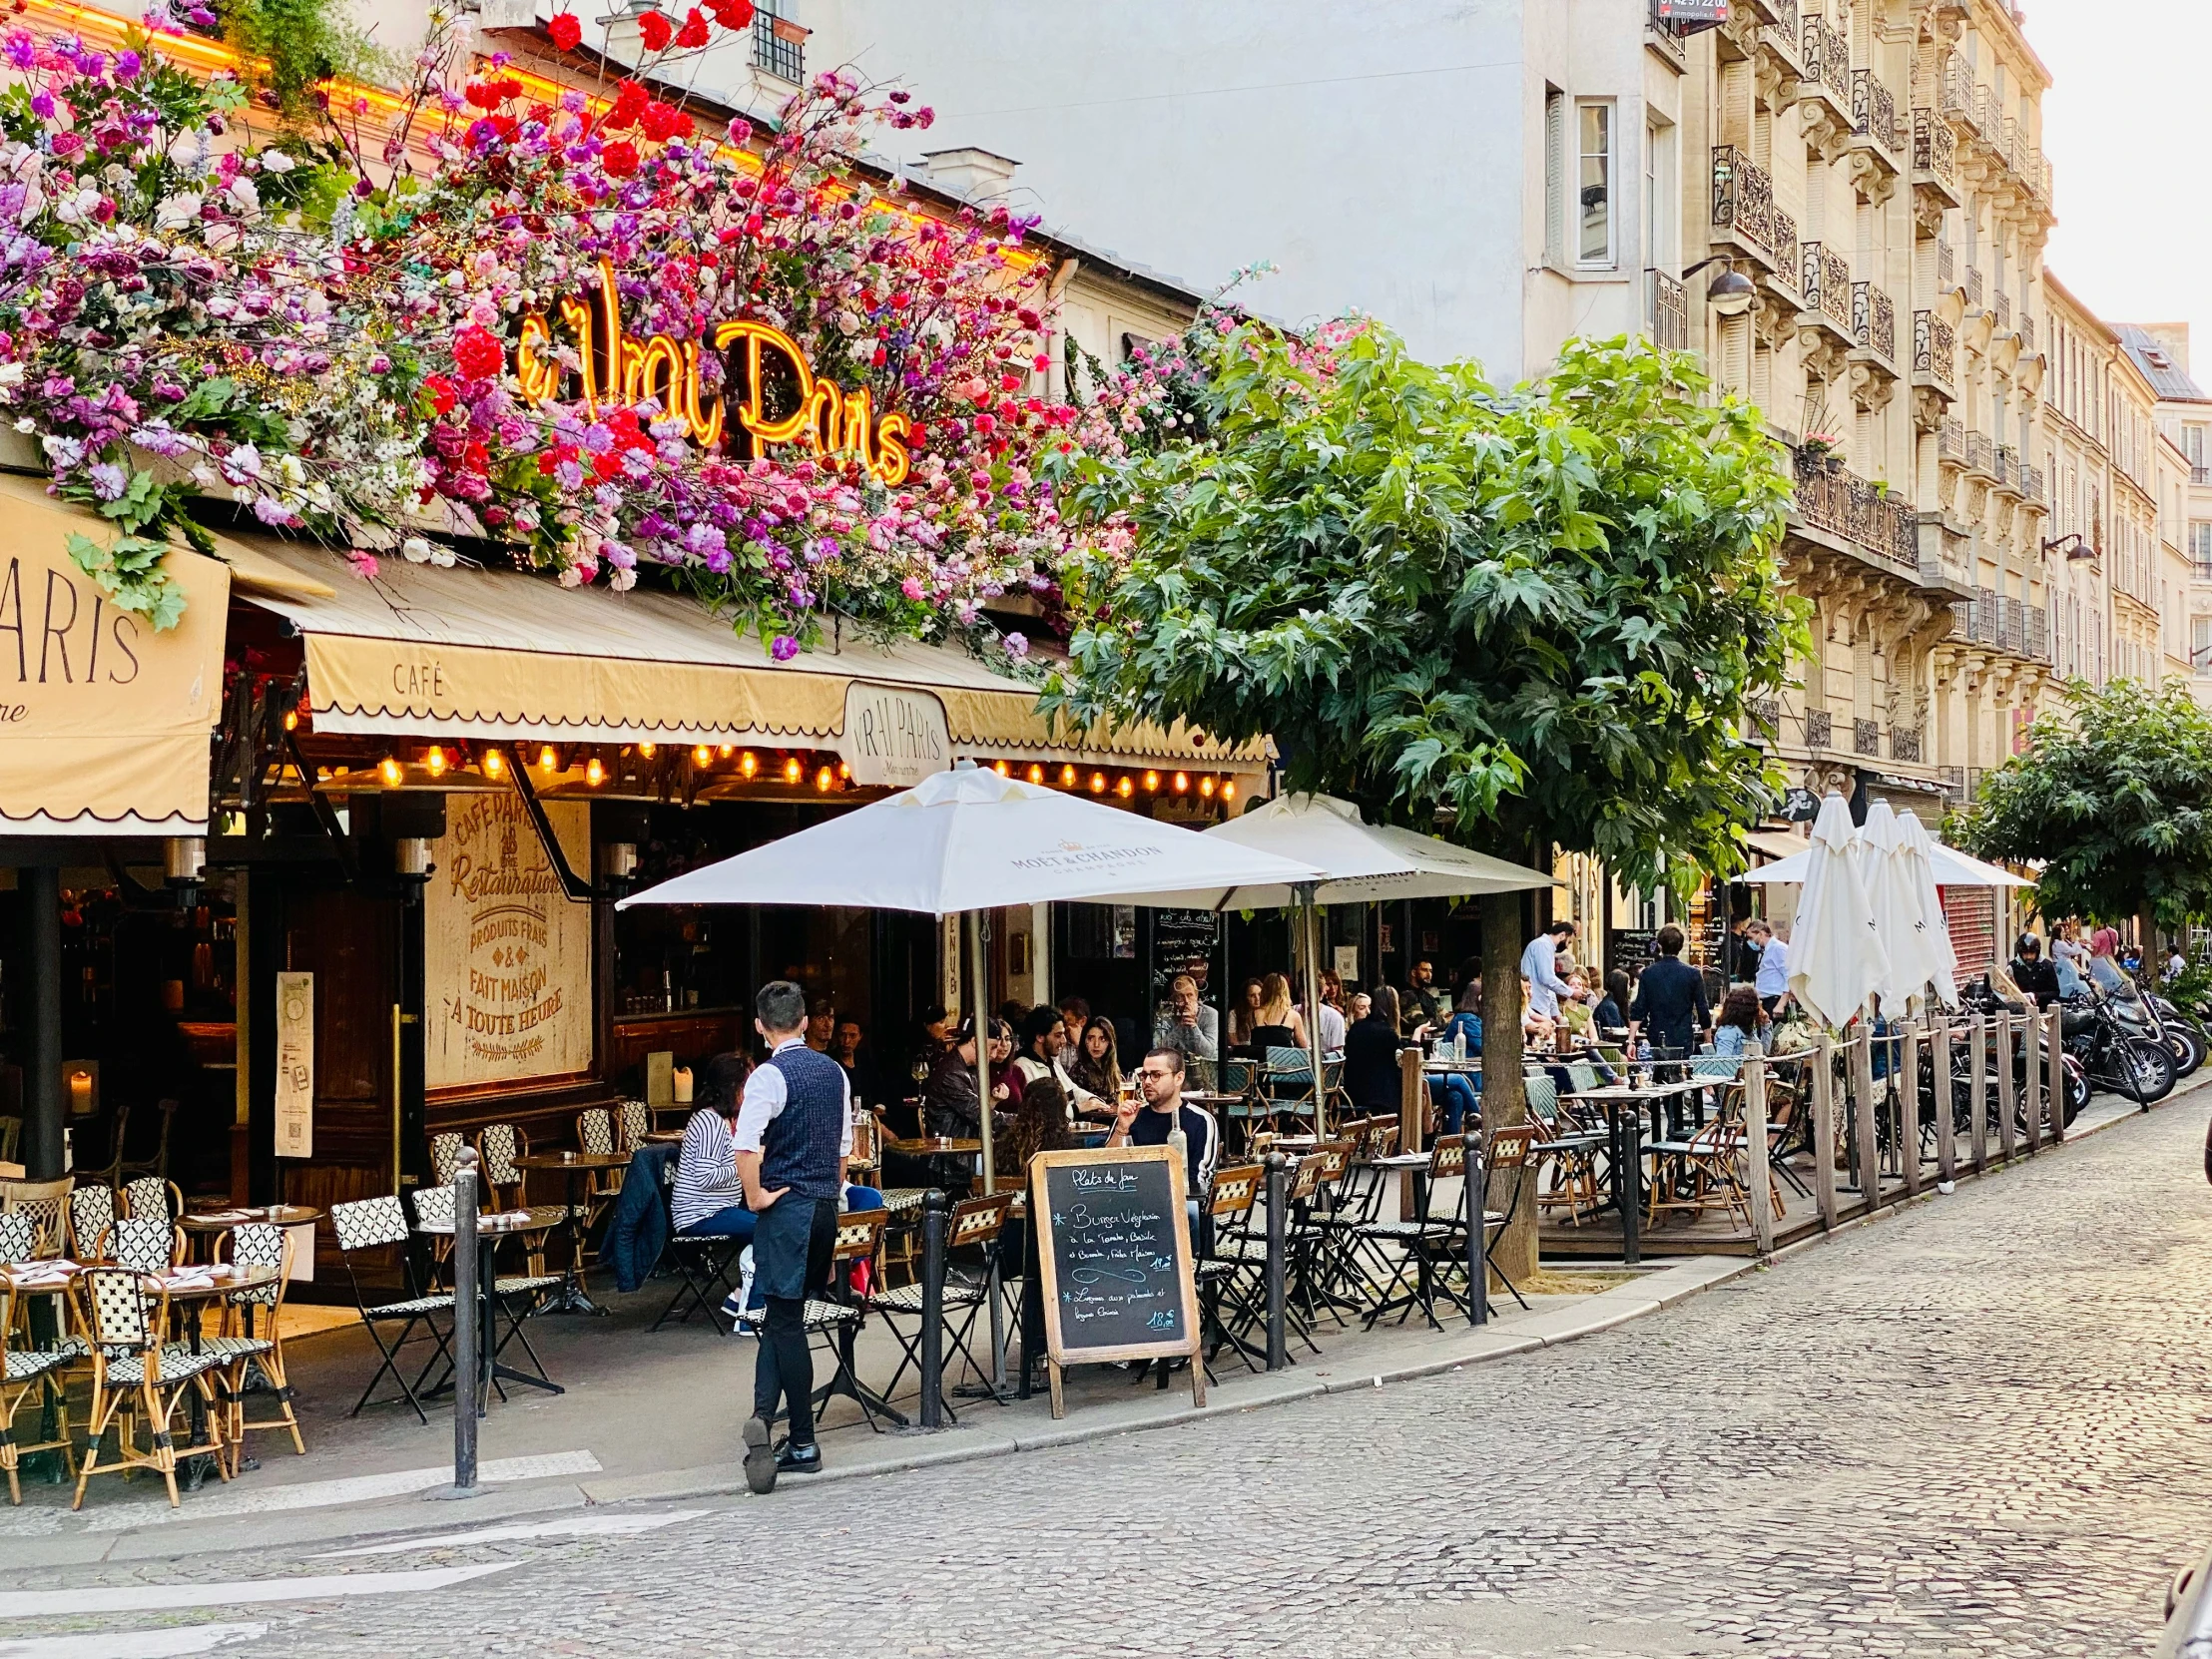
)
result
[(137, 1376), (517, 1295), (498, 1144), (373, 1224), (1430, 1246), (702, 1260), (25, 1370), (258, 1244), (977, 1223), (1506, 1152), (1225, 1266), (835, 1315)]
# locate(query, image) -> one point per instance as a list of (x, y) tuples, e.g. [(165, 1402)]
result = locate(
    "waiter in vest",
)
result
[(795, 1133)]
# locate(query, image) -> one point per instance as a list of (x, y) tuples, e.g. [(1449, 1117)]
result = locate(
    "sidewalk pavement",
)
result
[(654, 1416)]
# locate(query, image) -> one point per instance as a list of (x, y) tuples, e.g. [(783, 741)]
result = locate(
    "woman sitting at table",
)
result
[(1245, 1015), (1458, 1095), (1371, 1055), (1276, 1024), (1091, 1075), (1737, 1031)]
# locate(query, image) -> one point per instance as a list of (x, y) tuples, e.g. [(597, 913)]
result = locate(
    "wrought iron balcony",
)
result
[(1934, 152), (1905, 743), (778, 45), (2027, 331), (1874, 321), (1818, 729), (1973, 287), (1981, 454), (1935, 353), (1766, 714), (1947, 266), (1744, 212), (1824, 284), (1958, 91), (2032, 484), (2003, 624), (2200, 473), (1866, 737), (1667, 309), (2004, 309), (1666, 36), (2009, 480), (1951, 442), (1828, 61), (1874, 112), (1865, 514)]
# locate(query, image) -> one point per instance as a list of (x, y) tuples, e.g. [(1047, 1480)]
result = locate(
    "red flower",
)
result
[(694, 32), (476, 458), (442, 395), (619, 159), (630, 101), (733, 14), (661, 121), (478, 352), (566, 31), (656, 31)]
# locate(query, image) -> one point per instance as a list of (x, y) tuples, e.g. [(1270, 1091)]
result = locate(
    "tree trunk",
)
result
[(1505, 1101)]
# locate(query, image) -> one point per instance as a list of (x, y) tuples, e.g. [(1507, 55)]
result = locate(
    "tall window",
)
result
[(2200, 644), (2200, 549), (1595, 184)]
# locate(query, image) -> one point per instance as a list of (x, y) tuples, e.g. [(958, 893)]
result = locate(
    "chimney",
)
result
[(979, 175)]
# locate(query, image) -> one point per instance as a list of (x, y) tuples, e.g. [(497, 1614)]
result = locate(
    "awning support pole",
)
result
[(980, 980), (1306, 891), (41, 1089)]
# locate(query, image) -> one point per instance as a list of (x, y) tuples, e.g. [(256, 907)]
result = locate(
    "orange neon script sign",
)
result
[(623, 370)]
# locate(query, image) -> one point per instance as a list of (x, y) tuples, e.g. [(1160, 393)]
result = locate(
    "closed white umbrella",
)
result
[(1941, 965), (1896, 872), (1836, 955)]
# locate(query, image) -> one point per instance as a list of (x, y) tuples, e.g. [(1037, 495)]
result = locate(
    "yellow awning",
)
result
[(104, 724), (468, 653)]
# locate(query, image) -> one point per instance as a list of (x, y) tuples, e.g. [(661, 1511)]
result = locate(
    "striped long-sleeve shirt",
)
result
[(706, 1170)]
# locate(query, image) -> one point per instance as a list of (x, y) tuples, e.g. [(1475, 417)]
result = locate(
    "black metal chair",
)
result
[(375, 1224), (976, 1223), (702, 1260)]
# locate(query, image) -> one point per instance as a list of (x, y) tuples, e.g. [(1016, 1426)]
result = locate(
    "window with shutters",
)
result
[(1555, 176), (1594, 184)]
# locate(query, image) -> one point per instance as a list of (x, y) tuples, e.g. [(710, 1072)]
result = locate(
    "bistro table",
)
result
[(189, 1290), (575, 1165), (212, 1224), (932, 1146), (490, 1229), (1624, 1105)]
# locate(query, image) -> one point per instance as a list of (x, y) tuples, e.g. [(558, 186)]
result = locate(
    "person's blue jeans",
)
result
[(1455, 1098), (737, 1221)]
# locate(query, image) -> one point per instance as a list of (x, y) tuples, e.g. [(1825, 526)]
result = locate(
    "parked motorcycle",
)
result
[(2185, 1036), (2121, 1047)]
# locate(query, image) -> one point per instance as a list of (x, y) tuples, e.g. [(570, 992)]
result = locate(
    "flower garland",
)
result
[(339, 351)]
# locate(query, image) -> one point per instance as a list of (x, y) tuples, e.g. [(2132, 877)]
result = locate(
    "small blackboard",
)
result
[(1114, 1245)]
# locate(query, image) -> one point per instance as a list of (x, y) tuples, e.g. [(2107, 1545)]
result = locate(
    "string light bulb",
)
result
[(1229, 789), (546, 759), (390, 771), (1067, 776), (749, 763), (1098, 782), (291, 719), (845, 773), (703, 755), (824, 780), (727, 750), (1151, 782), (1036, 773), (435, 761), (791, 770), (1206, 788), (593, 773), (1182, 783), (495, 763), (648, 751), (1125, 789), (1002, 768)]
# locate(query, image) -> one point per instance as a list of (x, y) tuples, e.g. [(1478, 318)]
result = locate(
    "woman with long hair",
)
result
[(1276, 1023), (1095, 1068), (1245, 1015), (1371, 1055), (1736, 1029)]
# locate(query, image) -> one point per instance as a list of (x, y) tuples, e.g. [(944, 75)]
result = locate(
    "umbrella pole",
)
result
[(1313, 1010), (981, 979)]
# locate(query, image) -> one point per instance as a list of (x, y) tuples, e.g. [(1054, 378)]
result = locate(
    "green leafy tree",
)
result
[(1511, 619), (2114, 794)]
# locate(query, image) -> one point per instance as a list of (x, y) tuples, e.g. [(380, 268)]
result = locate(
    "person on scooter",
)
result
[(2036, 978)]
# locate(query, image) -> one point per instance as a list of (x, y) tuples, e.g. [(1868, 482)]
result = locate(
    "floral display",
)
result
[(585, 336)]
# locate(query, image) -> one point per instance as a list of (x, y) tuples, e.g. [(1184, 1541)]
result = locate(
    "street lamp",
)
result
[(1729, 294)]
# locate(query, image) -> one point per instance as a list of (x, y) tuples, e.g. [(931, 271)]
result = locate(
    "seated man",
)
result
[(1151, 1118)]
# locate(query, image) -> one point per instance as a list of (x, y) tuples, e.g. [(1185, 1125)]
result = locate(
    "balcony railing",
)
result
[(1866, 737), (1905, 743), (1667, 35), (1668, 307), (2200, 570), (1947, 266), (1823, 282), (1846, 505), (1973, 287), (2004, 309), (778, 45), (1873, 321), (2007, 624), (1828, 59), (1818, 729), (1934, 149), (1935, 351), (2027, 331), (1981, 454), (1742, 207), (1958, 90), (2200, 473), (2031, 483), (1951, 442), (1765, 712), (1874, 112)]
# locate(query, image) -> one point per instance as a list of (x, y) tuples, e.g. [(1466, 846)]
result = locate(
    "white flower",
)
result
[(623, 579), (26, 424), (415, 550), (572, 576), (11, 375), (245, 197), (443, 556), (243, 461), (275, 160), (179, 211), (76, 207)]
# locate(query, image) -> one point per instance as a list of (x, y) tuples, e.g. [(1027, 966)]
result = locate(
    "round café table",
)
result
[(189, 1291), (212, 1223), (575, 1166), (490, 1370)]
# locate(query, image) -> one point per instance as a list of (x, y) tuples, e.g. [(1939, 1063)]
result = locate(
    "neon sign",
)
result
[(621, 370)]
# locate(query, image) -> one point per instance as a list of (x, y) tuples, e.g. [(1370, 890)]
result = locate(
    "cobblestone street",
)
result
[(1975, 1429)]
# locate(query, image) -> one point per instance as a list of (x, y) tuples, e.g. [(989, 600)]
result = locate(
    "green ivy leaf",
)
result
[(130, 572)]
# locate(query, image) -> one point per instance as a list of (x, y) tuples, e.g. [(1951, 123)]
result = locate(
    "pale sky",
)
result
[(2127, 124)]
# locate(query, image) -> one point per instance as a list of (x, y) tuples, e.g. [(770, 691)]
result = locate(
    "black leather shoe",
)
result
[(798, 1460), (761, 1461)]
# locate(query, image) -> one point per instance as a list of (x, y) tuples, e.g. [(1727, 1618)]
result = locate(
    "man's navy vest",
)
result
[(800, 1147)]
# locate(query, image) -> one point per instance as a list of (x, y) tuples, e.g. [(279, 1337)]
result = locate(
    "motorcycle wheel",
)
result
[(2183, 1050), (2153, 1069), (2200, 1045), (2077, 1089)]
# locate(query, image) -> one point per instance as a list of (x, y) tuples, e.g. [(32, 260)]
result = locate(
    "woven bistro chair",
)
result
[(26, 1371), (152, 1195), (92, 1211), (594, 1134), (137, 1377), (976, 1223), (145, 1244), (376, 1224), (1225, 1271), (1693, 1174), (1430, 1244), (45, 1202), (498, 1144), (634, 1121), (832, 1312), (518, 1295), (1506, 1152), (258, 1244)]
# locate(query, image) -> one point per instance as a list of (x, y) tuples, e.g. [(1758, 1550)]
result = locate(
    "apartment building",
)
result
[(2184, 414)]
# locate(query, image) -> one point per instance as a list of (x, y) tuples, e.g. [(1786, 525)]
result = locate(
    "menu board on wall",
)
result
[(296, 1067), (1185, 942), (506, 954)]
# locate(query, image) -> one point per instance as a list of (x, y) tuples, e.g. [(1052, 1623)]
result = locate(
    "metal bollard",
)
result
[(936, 1220), (468, 1330), (1278, 1188), (1478, 1266)]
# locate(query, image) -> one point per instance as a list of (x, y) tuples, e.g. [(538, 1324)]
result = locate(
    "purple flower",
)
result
[(22, 50), (1018, 646), (127, 66), (783, 648), (598, 438), (570, 475), (108, 480), (42, 105)]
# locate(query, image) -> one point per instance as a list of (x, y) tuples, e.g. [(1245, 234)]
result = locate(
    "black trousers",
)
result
[(784, 1370)]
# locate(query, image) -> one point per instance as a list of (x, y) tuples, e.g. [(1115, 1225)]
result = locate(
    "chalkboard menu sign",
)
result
[(1115, 1250), (1185, 942)]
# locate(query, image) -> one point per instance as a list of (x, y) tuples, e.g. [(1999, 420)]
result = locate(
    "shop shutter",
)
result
[(1972, 915)]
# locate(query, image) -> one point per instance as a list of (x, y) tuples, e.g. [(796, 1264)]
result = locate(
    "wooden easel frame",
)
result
[(1040, 1217)]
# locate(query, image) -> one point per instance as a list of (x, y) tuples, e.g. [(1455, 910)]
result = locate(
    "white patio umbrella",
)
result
[(1360, 863), (1896, 872), (1836, 954), (969, 840), (1941, 965), (1951, 867)]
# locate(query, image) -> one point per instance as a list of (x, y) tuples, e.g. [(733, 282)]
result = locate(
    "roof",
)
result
[(2168, 377)]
